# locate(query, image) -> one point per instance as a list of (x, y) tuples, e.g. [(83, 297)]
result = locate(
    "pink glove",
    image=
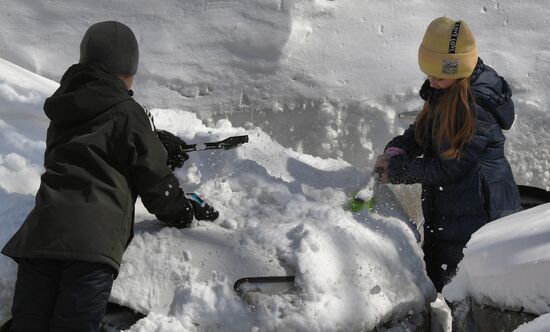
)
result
[(392, 151)]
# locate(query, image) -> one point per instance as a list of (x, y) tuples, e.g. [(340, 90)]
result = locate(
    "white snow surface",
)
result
[(507, 263), (318, 85), (540, 324)]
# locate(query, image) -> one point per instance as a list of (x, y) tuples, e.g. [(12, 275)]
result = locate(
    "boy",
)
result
[(102, 152)]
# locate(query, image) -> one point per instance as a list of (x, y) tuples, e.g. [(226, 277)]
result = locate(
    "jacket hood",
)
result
[(493, 94), (86, 91), (490, 91)]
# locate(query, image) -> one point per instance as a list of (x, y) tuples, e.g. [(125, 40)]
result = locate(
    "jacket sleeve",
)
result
[(153, 181), (407, 142), (438, 171)]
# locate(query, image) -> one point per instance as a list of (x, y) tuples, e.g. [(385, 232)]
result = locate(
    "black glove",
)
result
[(201, 209), (396, 169), (181, 223), (181, 220), (173, 146)]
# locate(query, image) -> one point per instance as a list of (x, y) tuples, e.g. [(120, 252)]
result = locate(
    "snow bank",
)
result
[(22, 143), (22, 127), (274, 62), (507, 263)]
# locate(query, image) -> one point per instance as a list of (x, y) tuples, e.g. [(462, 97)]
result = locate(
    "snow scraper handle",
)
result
[(177, 148), (226, 144)]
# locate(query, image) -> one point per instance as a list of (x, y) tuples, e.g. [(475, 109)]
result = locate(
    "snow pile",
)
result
[(22, 127), (507, 263), (22, 143), (538, 325), (281, 214), (280, 206)]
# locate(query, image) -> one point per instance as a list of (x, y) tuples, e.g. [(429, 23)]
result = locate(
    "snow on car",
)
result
[(506, 266)]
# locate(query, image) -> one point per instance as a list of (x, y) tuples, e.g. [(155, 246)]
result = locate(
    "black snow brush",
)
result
[(177, 148)]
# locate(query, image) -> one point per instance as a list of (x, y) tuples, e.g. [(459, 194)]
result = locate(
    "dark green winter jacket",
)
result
[(101, 153)]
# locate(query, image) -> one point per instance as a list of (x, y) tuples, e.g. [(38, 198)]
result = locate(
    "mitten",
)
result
[(180, 220), (201, 209), (173, 145), (397, 168)]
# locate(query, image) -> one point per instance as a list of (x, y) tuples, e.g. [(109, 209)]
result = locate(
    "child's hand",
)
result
[(201, 209), (384, 179), (173, 146), (383, 161), (381, 168)]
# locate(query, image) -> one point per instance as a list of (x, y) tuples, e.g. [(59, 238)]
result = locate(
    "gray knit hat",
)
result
[(112, 44)]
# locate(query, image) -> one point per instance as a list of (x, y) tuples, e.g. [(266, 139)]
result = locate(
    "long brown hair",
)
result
[(453, 119)]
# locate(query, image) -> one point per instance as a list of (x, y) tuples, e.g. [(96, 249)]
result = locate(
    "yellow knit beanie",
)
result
[(448, 50)]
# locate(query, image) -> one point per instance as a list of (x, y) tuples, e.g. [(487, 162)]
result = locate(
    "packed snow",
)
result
[(318, 86)]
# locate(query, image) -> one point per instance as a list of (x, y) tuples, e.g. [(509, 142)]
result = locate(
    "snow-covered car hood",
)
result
[(507, 262)]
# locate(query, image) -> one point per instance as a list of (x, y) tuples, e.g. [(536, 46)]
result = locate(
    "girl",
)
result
[(466, 179)]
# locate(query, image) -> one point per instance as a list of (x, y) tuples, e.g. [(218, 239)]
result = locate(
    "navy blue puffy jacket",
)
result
[(461, 195)]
